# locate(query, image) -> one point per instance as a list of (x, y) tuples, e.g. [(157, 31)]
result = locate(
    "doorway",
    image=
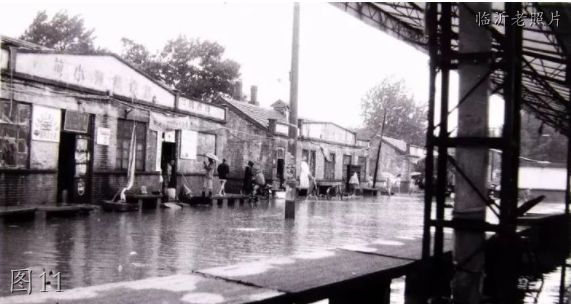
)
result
[(168, 155), (74, 163), (66, 167)]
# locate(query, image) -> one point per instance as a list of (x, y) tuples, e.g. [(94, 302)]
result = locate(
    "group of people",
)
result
[(253, 177)]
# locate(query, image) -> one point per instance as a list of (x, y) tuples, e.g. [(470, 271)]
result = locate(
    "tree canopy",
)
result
[(62, 33), (195, 68), (404, 120)]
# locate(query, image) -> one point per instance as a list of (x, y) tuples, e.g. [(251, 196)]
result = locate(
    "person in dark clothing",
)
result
[(223, 171), (248, 176)]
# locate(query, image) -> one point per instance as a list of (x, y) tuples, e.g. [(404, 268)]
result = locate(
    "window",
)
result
[(124, 131), (14, 133), (329, 167), (206, 143)]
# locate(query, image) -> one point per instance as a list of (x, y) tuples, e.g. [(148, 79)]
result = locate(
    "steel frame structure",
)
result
[(530, 68)]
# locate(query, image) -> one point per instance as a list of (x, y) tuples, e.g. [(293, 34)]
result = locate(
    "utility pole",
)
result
[(291, 158), (379, 150)]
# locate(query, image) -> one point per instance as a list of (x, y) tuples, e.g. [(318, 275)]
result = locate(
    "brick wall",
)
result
[(24, 187), (105, 185), (248, 142)]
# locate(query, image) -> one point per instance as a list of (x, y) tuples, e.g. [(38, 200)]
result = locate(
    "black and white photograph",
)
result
[(281, 152)]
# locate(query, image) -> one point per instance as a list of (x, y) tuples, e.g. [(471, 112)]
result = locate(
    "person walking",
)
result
[(223, 171), (248, 176), (208, 176), (389, 185)]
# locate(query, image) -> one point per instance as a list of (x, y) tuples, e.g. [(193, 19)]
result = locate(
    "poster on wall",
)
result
[(46, 123), (103, 136), (188, 144)]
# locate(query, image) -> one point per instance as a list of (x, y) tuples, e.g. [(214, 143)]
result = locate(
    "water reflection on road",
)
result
[(109, 247)]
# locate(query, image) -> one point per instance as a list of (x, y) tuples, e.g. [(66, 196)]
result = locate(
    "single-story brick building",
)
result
[(260, 135), (66, 123)]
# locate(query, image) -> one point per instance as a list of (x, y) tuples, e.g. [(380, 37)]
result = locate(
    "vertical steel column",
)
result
[(442, 174), (510, 158), (562, 287), (432, 26)]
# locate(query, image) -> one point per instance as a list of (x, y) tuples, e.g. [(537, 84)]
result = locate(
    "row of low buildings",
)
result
[(66, 122)]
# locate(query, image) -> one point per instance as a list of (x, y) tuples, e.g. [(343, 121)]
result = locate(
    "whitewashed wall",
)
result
[(328, 132), (542, 178), (102, 73)]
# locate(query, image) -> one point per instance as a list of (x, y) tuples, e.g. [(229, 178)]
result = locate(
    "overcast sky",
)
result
[(340, 56)]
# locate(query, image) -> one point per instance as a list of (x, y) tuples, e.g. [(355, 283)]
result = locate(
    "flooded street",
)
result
[(110, 247)]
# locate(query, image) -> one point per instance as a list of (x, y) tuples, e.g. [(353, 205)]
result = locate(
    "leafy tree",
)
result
[(62, 33), (138, 55), (404, 118), (194, 67)]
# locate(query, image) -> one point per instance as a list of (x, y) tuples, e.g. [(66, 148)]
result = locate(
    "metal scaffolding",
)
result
[(528, 65)]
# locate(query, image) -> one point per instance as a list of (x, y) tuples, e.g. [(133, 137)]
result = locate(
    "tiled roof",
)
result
[(257, 113), (22, 43)]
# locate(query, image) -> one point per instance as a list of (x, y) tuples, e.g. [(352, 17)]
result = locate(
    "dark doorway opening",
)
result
[(168, 159), (66, 167)]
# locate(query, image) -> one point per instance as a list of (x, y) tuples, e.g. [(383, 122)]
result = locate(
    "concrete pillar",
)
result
[(290, 206), (475, 44)]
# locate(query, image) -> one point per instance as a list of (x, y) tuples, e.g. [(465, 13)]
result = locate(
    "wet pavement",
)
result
[(111, 247)]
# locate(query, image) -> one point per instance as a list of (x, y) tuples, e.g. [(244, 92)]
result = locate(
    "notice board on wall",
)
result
[(76, 122)]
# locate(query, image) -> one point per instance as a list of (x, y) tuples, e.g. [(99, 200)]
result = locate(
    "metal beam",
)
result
[(510, 160), (442, 174), (432, 26)]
